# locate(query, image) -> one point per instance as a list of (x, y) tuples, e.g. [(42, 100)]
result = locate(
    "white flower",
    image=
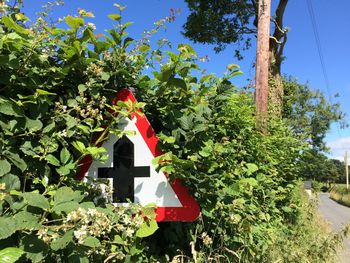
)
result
[(63, 133), (91, 212), (81, 234), (91, 26), (3, 6), (129, 232), (207, 240)]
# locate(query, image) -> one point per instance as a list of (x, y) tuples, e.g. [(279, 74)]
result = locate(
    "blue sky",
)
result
[(302, 60)]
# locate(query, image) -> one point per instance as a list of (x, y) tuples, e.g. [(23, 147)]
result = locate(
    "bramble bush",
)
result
[(56, 88)]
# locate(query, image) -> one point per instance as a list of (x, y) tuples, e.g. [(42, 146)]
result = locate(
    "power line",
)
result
[(320, 53), (318, 44)]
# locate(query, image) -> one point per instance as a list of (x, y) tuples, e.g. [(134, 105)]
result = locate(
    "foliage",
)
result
[(243, 181), (340, 194), (56, 87), (318, 166), (309, 113), (222, 22), (310, 116), (309, 238), (340, 170)]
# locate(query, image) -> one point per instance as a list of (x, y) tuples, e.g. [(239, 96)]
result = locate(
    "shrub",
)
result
[(56, 88)]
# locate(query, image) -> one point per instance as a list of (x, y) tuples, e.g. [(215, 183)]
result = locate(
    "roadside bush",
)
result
[(56, 88), (307, 239), (245, 182)]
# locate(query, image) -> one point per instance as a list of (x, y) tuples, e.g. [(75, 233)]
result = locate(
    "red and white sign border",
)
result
[(190, 210)]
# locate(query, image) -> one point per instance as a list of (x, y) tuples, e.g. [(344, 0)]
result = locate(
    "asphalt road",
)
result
[(337, 216)]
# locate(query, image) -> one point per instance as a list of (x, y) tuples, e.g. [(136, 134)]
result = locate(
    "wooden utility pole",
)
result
[(262, 64), (346, 169)]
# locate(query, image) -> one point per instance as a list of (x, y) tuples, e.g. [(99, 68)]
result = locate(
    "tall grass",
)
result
[(308, 238), (340, 194)]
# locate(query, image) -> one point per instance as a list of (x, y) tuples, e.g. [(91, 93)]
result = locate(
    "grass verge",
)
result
[(308, 238), (340, 194)]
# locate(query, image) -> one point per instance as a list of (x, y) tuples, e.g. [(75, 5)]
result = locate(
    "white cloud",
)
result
[(338, 148)]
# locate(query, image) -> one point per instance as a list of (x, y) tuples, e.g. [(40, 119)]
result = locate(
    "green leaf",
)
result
[(248, 181), (87, 205), (127, 42), (101, 46), (207, 78), (74, 22), (10, 254), (251, 168), (11, 182), (33, 125), (235, 73), (52, 160), (48, 128), (92, 242), (176, 82), (26, 220), (94, 151), (165, 74), (65, 155), (115, 17), (186, 51), (29, 148), (63, 170), (77, 257), (149, 211), (5, 167), (9, 108), (118, 240), (147, 228), (82, 87), (232, 66), (37, 200), (79, 146), (16, 160), (20, 16), (287, 209), (8, 21), (105, 76), (44, 92), (62, 242), (66, 207), (186, 122), (7, 227), (135, 251), (144, 48), (66, 194), (35, 248)]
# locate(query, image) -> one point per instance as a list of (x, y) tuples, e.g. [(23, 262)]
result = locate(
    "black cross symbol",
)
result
[(123, 171)]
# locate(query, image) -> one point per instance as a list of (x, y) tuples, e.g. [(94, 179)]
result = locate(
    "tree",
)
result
[(339, 167), (310, 116), (222, 22), (308, 113)]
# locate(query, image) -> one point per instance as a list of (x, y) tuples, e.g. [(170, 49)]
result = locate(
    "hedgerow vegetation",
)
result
[(340, 194), (57, 86)]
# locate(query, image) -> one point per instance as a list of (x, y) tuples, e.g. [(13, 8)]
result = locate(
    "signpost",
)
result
[(132, 175)]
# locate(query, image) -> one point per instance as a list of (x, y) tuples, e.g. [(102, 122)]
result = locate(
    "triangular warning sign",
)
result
[(132, 175)]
